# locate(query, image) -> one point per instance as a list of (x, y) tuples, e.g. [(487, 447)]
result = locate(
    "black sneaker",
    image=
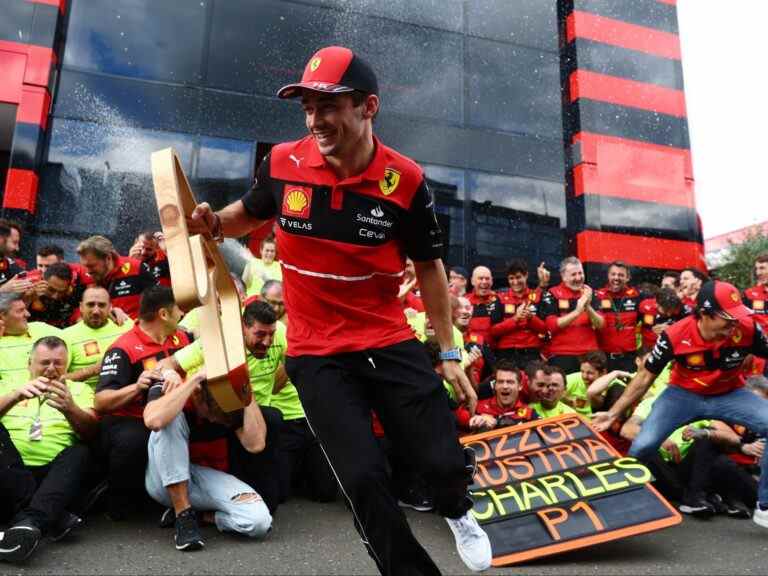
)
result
[(18, 543), (717, 503), (417, 500), (67, 522), (96, 496), (736, 509), (188, 536), (697, 507)]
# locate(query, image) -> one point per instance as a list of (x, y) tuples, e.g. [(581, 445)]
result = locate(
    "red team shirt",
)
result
[(343, 244), (620, 310), (575, 339), (508, 332)]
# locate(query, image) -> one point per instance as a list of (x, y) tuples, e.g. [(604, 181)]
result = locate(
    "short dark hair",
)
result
[(672, 274), (50, 342), (595, 358), (51, 250), (517, 266), (12, 224), (507, 366), (5, 231), (668, 299), (696, 274), (552, 369), (259, 311), (60, 270), (154, 299), (620, 264), (533, 367), (761, 258)]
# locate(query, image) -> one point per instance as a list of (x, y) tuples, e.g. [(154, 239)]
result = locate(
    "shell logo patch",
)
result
[(149, 363), (509, 308), (473, 337), (695, 360), (563, 304), (315, 64), (91, 348), (389, 183), (605, 303), (758, 305), (648, 319), (297, 201)]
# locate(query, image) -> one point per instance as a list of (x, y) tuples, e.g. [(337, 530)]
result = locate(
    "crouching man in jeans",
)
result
[(188, 461)]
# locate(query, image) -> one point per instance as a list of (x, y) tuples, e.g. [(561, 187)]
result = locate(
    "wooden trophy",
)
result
[(200, 278)]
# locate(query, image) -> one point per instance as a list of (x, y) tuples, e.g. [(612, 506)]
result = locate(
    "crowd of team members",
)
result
[(550, 350), (103, 396)]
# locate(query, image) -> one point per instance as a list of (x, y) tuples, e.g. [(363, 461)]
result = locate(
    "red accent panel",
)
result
[(12, 65), (622, 169), (38, 64), (60, 4), (586, 84), (670, 2), (34, 105), (617, 33), (21, 190), (590, 142), (604, 247)]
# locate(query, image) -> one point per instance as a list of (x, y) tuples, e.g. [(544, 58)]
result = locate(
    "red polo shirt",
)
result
[(508, 332), (343, 244), (578, 337), (126, 281), (620, 310)]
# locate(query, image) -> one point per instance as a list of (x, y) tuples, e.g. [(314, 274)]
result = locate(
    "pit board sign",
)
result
[(555, 485)]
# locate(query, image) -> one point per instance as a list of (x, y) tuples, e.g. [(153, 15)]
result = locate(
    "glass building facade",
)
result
[(472, 90)]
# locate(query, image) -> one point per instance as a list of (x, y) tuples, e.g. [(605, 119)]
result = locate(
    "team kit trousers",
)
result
[(676, 407), (338, 393)]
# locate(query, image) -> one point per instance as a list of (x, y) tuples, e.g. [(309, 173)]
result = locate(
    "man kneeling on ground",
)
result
[(188, 461)]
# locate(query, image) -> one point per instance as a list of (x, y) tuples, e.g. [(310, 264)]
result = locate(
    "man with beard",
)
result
[(265, 362), (657, 313), (146, 248), (90, 338), (707, 377), (547, 387), (57, 302), (9, 269), (485, 304), (619, 304), (570, 312), (505, 407)]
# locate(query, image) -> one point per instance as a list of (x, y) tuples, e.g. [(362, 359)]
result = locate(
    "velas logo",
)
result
[(390, 182), (297, 201), (315, 64)]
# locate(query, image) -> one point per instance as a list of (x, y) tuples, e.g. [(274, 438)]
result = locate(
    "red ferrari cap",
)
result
[(334, 70), (723, 299)]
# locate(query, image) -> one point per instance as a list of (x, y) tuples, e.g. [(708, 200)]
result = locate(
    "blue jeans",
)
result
[(676, 407), (209, 489)]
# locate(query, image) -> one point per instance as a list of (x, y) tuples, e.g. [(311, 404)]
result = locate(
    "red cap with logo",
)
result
[(723, 299), (334, 70)]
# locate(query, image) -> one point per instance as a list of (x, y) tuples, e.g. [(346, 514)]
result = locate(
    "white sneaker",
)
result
[(760, 517), (471, 542)]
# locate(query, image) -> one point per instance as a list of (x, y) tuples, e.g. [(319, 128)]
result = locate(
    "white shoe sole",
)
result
[(760, 520), (470, 563)]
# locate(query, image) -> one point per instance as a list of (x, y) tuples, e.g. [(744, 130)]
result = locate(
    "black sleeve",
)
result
[(116, 370), (147, 277), (547, 306), (760, 342), (259, 201), (661, 355), (490, 360), (421, 233)]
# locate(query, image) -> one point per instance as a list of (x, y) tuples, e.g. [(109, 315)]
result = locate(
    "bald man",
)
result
[(485, 305)]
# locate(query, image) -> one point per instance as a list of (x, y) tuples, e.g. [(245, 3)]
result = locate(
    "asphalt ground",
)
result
[(310, 538)]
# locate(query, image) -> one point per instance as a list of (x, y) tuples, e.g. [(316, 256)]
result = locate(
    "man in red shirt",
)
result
[(569, 310), (504, 408), (657, 313), (485, 303), (707, 380), (619, 305), (128, 369), (146, 248), (756, 298), (349, 209), (517, 332), (691, 280), (125, 278)]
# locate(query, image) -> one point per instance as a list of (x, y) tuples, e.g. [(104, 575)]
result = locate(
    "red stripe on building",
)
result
[(39, 61), (605, 247), (591, 143), (34, 105), (617, 33), (670, 2), (60, 4), (624, 92), (21, 190)]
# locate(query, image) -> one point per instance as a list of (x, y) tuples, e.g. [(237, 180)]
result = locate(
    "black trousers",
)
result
[(39, 494), (124, 448), (302, 465), (338, 393), (520, 356), (260, 470)]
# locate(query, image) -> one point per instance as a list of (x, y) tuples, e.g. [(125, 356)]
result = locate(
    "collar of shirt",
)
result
[(374, 171)]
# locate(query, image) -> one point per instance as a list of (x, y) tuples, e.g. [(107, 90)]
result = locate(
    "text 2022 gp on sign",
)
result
[(555, 485)]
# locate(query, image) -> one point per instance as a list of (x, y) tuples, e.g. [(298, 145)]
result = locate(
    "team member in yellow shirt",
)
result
[(43, 459), (259, 270), (19, 336), (89, 338)]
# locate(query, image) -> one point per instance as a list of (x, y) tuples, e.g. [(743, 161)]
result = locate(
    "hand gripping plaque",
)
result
[(200, 278)]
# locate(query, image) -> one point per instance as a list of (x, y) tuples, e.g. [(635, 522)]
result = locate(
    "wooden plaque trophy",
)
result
[(200, 278)]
